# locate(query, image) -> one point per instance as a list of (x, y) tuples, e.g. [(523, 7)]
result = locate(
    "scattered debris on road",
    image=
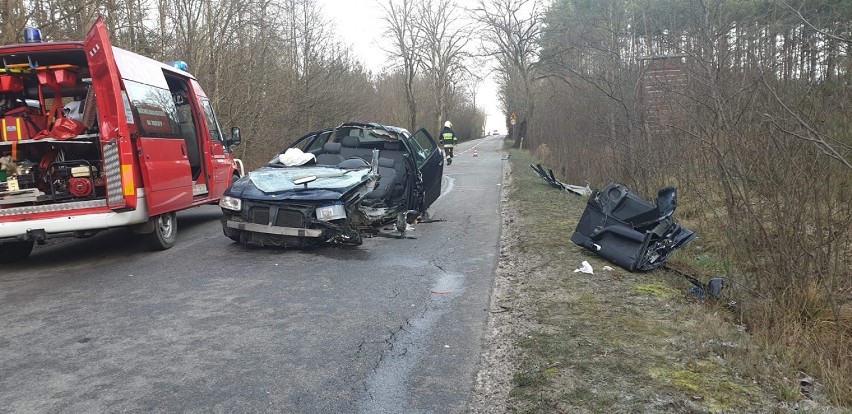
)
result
[(623, 228)]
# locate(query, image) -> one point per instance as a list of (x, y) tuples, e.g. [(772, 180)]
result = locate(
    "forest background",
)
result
[(744, 105)]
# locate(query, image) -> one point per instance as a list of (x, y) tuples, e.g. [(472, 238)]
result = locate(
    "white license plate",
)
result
[(333, 212)]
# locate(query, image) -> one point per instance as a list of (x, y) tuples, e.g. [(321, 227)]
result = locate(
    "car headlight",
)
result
[(231, 203)]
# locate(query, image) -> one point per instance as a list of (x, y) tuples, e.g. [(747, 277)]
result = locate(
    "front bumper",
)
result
[(274, 230), (274, 224)]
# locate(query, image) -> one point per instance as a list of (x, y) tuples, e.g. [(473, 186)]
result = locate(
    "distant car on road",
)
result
[(346, 180)]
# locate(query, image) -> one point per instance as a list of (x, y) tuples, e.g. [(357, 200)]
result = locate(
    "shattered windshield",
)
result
[(273, 180)]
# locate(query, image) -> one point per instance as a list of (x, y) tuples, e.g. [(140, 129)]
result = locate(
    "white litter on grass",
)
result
[(585, 268), (607, 268)]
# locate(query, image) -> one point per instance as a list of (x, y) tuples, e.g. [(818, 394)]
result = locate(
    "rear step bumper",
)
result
[(76, 222)]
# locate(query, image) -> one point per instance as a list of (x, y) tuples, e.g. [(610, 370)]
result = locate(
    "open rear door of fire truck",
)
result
[(113, 117)]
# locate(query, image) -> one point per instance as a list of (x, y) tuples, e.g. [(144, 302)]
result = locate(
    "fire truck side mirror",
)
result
[(235, 137)]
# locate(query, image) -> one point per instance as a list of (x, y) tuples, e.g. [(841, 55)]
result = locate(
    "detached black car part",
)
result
[(629, 231), (548, 177)]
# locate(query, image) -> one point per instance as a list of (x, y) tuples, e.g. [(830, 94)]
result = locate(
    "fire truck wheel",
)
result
[(234, 178), (165, 232), (15, 251)]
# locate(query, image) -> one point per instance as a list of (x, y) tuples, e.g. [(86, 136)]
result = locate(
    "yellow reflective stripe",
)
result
[(17, 131), (127, 180)]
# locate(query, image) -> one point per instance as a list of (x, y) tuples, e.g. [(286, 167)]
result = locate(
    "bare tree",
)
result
[(512, 29), (443, 53), (13, 16), (803, 128), (401, 17)]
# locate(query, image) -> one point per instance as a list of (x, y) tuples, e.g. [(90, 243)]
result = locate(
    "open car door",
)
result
[(429, 163)]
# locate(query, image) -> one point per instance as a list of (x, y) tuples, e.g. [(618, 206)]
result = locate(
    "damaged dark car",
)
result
[(625, 229), (335, 186)]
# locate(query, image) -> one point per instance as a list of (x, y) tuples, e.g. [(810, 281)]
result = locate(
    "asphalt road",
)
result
[(392, 326)]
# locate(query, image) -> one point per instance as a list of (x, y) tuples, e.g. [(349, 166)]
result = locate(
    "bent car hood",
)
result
[(271, 183)]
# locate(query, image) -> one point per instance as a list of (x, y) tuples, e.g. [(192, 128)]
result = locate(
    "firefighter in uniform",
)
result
[(448, 139)]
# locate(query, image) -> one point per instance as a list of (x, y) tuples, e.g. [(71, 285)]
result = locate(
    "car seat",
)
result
[(387, 180), (330, 155), (627, 230)]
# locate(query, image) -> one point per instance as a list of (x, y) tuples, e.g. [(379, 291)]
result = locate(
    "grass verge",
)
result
[(616, 341)]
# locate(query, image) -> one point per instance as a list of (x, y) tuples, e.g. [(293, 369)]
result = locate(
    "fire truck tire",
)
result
[(234, 178), (165, 232), (16, 251)]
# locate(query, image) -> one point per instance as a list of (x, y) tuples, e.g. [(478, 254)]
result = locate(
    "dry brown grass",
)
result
[(786, 252), (810, 335), (542, 153), (761, 166), (633, 342)]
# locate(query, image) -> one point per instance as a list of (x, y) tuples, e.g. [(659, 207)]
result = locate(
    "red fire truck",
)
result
[(96, 137)]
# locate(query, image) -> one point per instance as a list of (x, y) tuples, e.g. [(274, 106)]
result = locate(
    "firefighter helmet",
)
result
[(448, 124)]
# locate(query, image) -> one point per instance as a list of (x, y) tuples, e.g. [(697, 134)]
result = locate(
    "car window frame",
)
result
[(304, 141), (212, 122), (318, 141), (418, 152)]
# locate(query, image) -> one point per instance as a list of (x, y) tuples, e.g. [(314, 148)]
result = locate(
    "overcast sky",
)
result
[(366, 38)]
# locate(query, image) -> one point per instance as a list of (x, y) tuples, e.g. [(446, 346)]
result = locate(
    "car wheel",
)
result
[(355, 239), (15, 251), (401, 224), (232, 234), (347, 238), (165, 232)]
